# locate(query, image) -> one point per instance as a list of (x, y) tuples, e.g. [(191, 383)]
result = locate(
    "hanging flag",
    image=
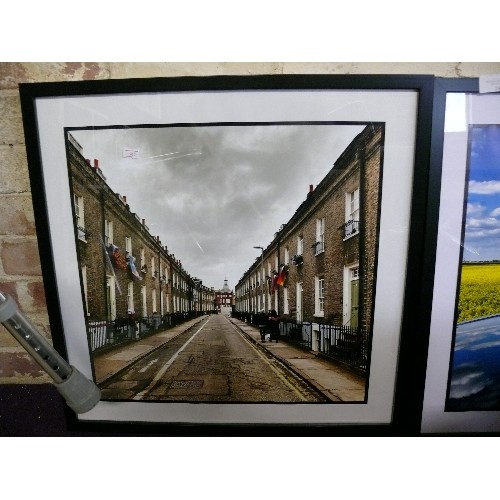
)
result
[(109, 266), (117, 259), (274, 282), (132, 269), (281, 279)]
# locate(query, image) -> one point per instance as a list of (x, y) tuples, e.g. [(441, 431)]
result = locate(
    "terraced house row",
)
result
[(125, 271), (320, 267)]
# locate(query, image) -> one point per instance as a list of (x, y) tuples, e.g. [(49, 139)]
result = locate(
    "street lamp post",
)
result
[(262, 271)]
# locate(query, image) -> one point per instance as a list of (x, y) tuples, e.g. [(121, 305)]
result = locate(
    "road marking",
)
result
[(278, 373), (167, 365), (151, 363)]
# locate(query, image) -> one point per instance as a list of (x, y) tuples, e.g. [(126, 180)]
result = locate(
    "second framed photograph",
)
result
[(462, 393), (234, 250)]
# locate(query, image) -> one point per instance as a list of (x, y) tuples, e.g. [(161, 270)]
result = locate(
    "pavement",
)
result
[(336, 382)]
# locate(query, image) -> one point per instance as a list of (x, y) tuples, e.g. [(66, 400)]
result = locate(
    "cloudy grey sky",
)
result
[(213, 192)]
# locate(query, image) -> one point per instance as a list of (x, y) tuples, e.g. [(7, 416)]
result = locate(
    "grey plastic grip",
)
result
[(7, 308), (80, 394)]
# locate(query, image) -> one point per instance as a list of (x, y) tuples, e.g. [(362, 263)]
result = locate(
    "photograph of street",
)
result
[(231, 263)]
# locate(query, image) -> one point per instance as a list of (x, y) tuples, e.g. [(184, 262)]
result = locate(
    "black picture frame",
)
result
[(408, 350), (459, 106)]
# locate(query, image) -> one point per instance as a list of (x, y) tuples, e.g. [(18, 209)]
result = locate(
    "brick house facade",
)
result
[(123, 267), (320, 266), (224, 298)]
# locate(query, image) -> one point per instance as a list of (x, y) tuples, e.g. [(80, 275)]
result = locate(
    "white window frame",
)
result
[(355, 273), (130, 296), (153, 301), (80, 217), (353, 205), (352, 211), (320, 236), (286, 307), (108, 232), (144, 301), (111, 284), (128, 245), (300, 245), (167, 303), (319, 296), (299, 301), (287, 256)]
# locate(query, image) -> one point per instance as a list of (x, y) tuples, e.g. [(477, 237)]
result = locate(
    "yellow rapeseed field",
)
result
[(479, 291)]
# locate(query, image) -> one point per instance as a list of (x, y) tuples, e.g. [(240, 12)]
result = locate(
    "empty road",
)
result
[(211, 362)]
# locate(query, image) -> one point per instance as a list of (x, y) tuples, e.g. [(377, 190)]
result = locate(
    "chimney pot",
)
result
[(96, 163)]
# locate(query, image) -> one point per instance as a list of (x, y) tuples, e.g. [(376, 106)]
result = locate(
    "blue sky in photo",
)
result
[(482, 227)]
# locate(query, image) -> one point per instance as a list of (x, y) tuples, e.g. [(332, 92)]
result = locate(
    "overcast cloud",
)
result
[(212, 193)]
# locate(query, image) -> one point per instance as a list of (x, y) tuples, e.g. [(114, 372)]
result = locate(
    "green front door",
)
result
[(353, 323)]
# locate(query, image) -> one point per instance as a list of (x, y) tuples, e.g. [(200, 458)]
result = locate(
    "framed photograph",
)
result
[(235, 250), (462, 392)]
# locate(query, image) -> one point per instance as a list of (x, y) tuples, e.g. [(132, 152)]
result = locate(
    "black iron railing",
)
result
[(297, 333), (102, 334), (343, 343), (350, 228)]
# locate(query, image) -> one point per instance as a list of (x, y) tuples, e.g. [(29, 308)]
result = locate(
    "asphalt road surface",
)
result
[(211, 362)]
